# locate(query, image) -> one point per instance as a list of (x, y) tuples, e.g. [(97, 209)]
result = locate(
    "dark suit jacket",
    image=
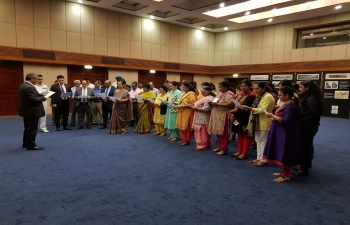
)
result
[(56, 98), (108, 103), (31, 105), (79, 91)]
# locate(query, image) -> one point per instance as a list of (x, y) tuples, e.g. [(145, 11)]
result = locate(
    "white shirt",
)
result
[(155, 91), (115, 84), (74, 89), (42, 89), (135, 92), (90, 85)]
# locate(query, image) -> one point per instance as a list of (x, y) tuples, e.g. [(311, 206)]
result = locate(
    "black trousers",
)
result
[(307, 134), (63, 110), (74, 113), (84, 109), (106, 109), (30, 131)]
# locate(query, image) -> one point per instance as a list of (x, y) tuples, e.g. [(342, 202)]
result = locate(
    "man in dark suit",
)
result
[(61, 104), (31, 109), (107, 104), (84, 104)]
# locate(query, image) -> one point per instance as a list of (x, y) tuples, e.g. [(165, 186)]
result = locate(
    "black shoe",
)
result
[(94, 124), (88, 127), (131, 125), (103, 127), (72, 124), (80, 127), (67, 128), (58, 129), (35, 148), (24, 146), (300, 173)]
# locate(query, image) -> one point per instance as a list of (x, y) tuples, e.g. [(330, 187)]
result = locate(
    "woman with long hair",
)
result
[(273, 91), (244, 97), (311, 109), (212, 86), (282, 146), (122, 112), (259, 124), (219, 117), (160, 111), (145, 110), (172, 110), (186, 112), (201, 119)]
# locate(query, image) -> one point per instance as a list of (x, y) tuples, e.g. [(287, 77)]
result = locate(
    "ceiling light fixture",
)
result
[(324, 38), (88, 67), (202, 28), (151, 17), (222, 5), (157, 0), (152, 71), (247, 13), (312, 34), (226, 28), (269, 20), (338, 7), (235, 75), (80, 1)]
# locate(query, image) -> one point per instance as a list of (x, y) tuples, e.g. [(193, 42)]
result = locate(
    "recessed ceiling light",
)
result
[(338, 7), (80, 1), (235, 75), (226, 28), (152, 71), (247, 13), (89, 67), (222, 5), (269, 20), (202, 28), (312, 34), (324, 38), (151, 16), (157, 0)]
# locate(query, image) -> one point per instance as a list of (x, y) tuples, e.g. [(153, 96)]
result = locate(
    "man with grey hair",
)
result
[(153, 89), (31, 109), (77, 84)]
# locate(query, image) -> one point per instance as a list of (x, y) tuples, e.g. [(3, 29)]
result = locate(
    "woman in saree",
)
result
[(160, 111), (201, 119), (219, 118), (186, 113), (171, 113), (122, 112), (145, 110)]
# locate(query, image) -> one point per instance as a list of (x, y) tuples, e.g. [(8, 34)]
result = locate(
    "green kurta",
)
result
[(171, 113)]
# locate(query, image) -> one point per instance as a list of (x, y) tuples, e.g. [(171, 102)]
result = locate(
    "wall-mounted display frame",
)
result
[(308, 76), (337, 76), (331, 84), (258, 77), (282, 76), (275, 83), (341, 94)]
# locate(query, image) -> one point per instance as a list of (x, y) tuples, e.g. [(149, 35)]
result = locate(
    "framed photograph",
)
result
[(259, 77), (331, 84), (299, 81), (282, 77), (337, 76), (341, 95), (302, 76), (275, 83)]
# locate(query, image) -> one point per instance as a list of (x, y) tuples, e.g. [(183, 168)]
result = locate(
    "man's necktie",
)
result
[(106, 91), (84, 94), (62, 91)]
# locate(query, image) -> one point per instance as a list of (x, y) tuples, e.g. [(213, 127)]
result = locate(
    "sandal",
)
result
[(201, 149), (170, 138), (180, 142), (184, 143), (253, 161), (281, 179), (242, 157), (158, 133), (235, 155), (258, 164), (216, 150), (173, 139), (222, 153)]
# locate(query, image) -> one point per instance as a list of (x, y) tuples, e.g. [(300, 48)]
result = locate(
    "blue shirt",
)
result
[(97, 91)]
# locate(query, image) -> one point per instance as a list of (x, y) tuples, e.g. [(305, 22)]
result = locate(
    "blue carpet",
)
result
[(91, 177)]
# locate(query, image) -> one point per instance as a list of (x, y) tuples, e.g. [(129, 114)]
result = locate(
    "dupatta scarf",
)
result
[(147, 106)]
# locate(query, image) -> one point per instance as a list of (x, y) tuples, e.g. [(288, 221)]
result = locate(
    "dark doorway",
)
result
[(11, 75), (158, 78), (79, 73)]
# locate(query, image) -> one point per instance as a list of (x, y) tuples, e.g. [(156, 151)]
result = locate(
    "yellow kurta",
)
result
[(185, 115), (158, 118)]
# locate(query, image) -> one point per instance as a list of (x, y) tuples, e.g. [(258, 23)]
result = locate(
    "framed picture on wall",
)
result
[(337, 76), (310, 76), (299, 81), (331, 85), (259, 77), (282, 77)]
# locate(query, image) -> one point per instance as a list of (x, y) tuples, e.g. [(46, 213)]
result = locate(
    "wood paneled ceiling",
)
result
[(178, 11)]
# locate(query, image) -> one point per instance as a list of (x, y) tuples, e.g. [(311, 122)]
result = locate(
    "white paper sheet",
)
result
[(216, 100), (138, 98), (49, 94), (236, 103), (113, 99), (102, 95)]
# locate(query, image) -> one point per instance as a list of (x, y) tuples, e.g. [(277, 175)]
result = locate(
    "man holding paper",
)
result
[(107, 104), (31, 109), (83, 97), (60, 102)]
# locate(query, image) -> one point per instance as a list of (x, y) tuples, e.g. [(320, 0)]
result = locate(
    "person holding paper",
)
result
[(83, 96), (145, 111), (259, 124), (135, 91), (107, 104), (171, 112), (44, 90), (282, 146), (219, 118), (31, 109), (244, 97), (77, 83), (96, 105), (201, 119), (185, 115), (61, 104), (160, 111), (122, 112)]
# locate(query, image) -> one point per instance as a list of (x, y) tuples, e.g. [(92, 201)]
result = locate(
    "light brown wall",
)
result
[(275, 44), (173, 76), (68, 26), (129, 75), (49, 73)]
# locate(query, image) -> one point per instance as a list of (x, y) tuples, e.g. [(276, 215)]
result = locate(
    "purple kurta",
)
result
[(282, 146)]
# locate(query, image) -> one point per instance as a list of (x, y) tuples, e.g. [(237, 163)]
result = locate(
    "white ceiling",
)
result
[(167, 5)]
